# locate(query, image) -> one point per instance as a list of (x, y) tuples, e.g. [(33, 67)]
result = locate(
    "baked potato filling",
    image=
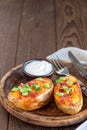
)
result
[(32, 88), (67, 91), (32, 95)]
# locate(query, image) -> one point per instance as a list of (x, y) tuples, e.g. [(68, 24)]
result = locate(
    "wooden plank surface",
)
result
[(36, 39), (71, 23), (9, 24), (37, 32), (36, 28)]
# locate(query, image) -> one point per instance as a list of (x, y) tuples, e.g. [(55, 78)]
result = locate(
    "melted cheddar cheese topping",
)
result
[(31, 89), (67, 90)]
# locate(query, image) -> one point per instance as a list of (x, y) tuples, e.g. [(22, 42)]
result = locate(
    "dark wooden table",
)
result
[(37, 28)]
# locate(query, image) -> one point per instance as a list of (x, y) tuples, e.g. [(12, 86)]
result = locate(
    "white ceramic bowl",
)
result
[(38, 68)]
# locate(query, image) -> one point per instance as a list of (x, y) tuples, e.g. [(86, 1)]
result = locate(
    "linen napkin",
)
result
[(80, 54), (83, 126)]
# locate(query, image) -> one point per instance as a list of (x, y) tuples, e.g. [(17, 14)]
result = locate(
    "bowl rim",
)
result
[(37, 59)]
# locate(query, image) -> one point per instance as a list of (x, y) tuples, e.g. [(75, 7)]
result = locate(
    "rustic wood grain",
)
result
[(71, 23), (36, 39), (9, 24), (37, 33)]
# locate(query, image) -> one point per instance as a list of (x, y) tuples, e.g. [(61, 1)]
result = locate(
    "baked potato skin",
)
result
[(35, 99), (68, 102)]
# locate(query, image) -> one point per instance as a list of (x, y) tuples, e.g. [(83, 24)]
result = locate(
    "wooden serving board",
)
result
[(49, 115)]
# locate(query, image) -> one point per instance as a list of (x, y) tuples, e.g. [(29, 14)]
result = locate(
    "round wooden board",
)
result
[(46, 116)]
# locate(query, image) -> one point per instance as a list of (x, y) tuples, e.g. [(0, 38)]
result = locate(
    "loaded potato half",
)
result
[(32, 95), (68, 95)]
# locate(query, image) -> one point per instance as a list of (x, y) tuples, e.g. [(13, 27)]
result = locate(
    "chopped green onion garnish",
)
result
[(59, 93), (26, 86), (14, 89), (25, 93), (67, 91), (19, 87), (47, 85), (24, 90), (29, 89), (71, 90), (36, 87), (39, 79), (60, 79), (65, 88), (69, 82)]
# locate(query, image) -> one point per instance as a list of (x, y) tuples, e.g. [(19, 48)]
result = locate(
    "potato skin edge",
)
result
[(70, 109), (38, 102)]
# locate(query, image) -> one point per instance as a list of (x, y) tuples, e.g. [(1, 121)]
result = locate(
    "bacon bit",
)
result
[(29, 83), (62, 100), (42, 81), (58, 85), (62, 90), (71, 104), (32, 82), (33, 94), (20, 95), (21, 84), (74, 83)]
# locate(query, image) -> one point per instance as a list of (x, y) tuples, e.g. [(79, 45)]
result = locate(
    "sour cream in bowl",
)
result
[(38, 67)]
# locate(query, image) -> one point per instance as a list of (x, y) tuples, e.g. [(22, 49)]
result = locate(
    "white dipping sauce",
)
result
[(38, 67)]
